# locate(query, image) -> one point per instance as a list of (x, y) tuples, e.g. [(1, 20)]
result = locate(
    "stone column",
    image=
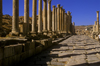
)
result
[(69, 21), (66, 23), (45, 17), (73, 27), (0, 13), (26, 17), (34, 18), (94, 27), (53, 19), (49, 16), (40, 17), (97, 21), (58, 18), (15, 18), (62, 20)]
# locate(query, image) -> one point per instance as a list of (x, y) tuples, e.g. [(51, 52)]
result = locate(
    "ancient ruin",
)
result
[(30, 37)]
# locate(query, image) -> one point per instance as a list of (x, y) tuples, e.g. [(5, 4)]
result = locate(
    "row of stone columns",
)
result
[(56, 21)]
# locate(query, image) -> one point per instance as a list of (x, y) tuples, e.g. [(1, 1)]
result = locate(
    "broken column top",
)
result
[(97, 11), (58, 5), (68, 12), (53, 6), (49, 0)]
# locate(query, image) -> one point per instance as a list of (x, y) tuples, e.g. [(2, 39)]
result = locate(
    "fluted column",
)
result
[(45, 17), (58, 18), (34, 18), (26, 16), (97, 21), (49, 15), (40, 17), (53, 19), (15, 18), (0, 13)]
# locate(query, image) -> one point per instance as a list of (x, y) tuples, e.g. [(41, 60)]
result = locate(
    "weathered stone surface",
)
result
[(1, 53)]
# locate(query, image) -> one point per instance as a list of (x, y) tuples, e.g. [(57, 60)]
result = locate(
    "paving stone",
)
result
[(77, 50)]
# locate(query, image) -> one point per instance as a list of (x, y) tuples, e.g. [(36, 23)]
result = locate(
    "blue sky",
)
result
[(83, 11)]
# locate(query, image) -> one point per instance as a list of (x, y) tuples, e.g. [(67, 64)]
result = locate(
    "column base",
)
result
[(33, 34), (14, 33), (49, 33), (45, 32)]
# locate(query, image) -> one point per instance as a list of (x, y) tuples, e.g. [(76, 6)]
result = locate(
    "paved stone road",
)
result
[(78, 50)]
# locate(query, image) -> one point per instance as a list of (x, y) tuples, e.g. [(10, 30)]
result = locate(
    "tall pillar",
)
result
[(49, 15), (34, 18), (73, 27), (0, 13), (45, 17), (62, 20), (58, 18), (53, 19), (15, 18), (65, 22), (97, 21), (40, 17), (26, 17), (69, 21)]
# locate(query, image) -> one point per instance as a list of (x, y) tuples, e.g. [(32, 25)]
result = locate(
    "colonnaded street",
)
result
[(78, 50)]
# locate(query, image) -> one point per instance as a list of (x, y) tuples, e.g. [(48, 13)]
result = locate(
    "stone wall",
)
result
[(15, 53)]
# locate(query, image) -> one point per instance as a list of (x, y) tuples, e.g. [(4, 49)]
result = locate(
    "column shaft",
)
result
[(58, 18), (45, 16), (53, 19), (0, 13), (40, 17), (34, 17), (65, 22), (26, 16), (15, 19), (49, 15), (97, 21)]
